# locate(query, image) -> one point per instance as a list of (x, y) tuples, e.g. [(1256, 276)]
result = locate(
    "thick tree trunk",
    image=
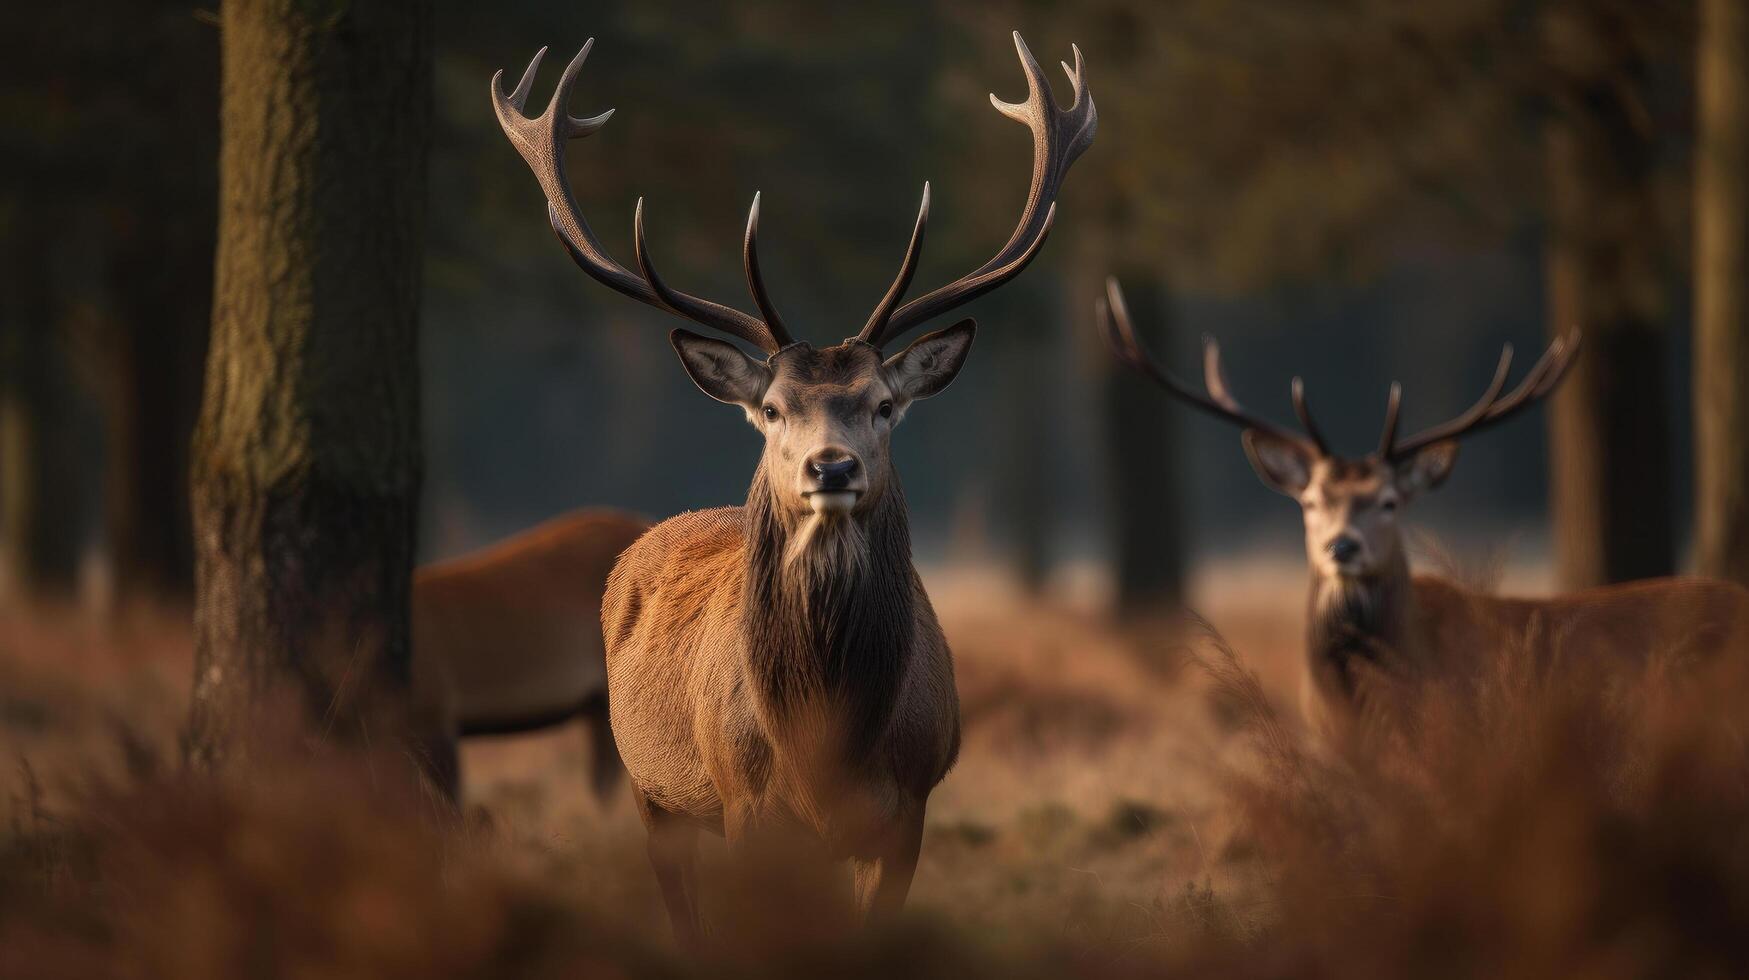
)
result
[(306, 457), (1721, 279), (1610, 483), (1142, 463)]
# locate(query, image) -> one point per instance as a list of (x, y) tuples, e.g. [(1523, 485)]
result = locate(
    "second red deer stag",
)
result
[(1365, 612), (776, 668)]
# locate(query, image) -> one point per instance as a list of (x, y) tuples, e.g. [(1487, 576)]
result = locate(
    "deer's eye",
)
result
[(885, 411), (771, 413)]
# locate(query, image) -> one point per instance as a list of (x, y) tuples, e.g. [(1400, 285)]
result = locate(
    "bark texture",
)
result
[(1721, 277), (306, 458), (1610, 441)]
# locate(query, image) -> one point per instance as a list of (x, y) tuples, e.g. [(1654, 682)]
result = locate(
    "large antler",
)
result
[(1120, 336), (541, 141), (1492, 408), (1058, 137)]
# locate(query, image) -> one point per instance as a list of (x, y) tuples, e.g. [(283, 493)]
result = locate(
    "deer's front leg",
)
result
[(883, 878)]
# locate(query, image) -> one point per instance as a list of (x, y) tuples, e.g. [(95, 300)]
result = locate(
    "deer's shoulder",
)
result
[(698, 541)]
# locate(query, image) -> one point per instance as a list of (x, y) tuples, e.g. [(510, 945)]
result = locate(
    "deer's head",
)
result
[(1351, 506), (826, 412)]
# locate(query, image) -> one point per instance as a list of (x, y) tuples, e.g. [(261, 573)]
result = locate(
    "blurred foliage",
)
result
[(1248, 142), (1306, 176)]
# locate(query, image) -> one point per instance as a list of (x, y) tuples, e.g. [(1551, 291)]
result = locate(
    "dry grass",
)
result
[(1125, 804)]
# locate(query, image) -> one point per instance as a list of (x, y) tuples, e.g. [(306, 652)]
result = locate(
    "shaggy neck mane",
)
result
[(828, 612), (1356, 620)]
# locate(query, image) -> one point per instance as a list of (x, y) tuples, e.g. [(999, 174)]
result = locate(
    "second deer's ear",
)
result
[(1428, 468), (721, 370), (1284, 466)]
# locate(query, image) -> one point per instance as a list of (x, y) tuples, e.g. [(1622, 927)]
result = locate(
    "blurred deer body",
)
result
[(1365, 613), (775, 671), (508, 639)]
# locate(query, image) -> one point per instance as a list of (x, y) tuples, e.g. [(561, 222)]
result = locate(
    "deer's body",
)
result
[(775, 671), (508, 639), (1427, 627), (838, 722)]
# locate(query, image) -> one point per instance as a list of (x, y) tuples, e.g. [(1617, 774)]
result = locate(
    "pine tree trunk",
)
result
[(1610, 483), (1142, 461), (306, 458), (1721, 270)]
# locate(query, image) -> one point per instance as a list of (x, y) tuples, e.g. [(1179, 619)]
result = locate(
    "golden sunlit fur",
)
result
[(776, 673)]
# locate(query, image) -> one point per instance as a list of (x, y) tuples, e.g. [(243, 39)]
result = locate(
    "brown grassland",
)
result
[(1125, 804)]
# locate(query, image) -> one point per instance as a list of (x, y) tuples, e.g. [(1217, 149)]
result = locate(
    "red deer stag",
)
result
[(508, 639), (1365, 611), (777, 667)]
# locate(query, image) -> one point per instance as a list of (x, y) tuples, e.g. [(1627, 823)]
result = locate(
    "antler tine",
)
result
[(1469, 417), (519, 98), (691, 307), (575, 127), (541, 143), (1301, 409), (1059, 137), (1547, 372), (1120, 335), (756, 282), (883, 311), (1491, 409), (1393, 407)]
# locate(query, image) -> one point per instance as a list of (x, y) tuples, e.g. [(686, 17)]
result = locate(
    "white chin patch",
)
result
[(832, 501)]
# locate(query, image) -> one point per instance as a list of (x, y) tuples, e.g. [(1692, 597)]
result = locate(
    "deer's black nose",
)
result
[(1344, 549), (833, 474)]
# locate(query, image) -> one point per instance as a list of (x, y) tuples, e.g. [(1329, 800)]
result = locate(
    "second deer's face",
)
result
[(1350, 506), (826, 413)]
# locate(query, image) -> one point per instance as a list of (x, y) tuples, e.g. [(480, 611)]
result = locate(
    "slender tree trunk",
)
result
[(1023, 446), (153, 399), (41, 520), (1610, 430), (306, 458), (1142, 463), (1721, 271), (160, 274)]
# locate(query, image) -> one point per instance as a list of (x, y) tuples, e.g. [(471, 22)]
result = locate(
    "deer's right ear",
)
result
[(721, 370), (1284, 466)]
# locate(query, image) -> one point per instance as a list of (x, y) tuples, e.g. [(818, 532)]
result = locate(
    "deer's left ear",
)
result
[(931, 363), (1427, 469)]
